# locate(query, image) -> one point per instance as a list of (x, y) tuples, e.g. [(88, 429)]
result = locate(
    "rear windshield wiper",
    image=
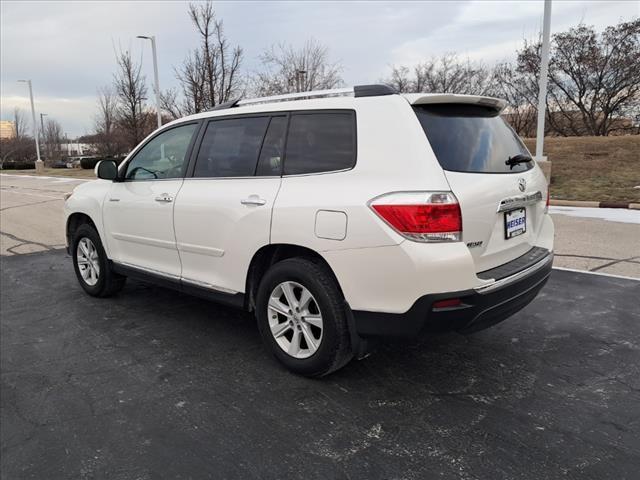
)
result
[(517, 160)]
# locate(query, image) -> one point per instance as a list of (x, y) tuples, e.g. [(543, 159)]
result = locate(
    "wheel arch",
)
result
[(74, 221), (270, 254)]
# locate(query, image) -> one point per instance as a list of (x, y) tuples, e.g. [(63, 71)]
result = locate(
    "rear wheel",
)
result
[(302, 319), (91, 264)]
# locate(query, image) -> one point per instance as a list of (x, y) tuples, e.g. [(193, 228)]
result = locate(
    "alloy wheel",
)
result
[(88, 261), (295, 319)]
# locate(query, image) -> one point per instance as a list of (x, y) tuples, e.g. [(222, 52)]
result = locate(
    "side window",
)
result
[(320, 142), (163, 156), (270, 162), (230, 147)]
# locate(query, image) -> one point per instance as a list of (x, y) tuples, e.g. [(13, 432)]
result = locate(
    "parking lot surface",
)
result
[(31, 212), (156, 384)]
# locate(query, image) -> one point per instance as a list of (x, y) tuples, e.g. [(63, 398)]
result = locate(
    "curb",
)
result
[(592, 204)]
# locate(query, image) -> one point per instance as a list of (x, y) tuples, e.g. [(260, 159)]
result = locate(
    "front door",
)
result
[(138, 211)]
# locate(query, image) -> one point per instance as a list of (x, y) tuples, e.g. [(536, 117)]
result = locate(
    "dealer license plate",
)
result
[(515, 223)]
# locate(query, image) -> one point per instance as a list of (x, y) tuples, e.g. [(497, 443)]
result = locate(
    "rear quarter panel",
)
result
[(392, 155)]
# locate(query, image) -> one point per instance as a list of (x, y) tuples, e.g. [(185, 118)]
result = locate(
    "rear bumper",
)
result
[(480, 308)]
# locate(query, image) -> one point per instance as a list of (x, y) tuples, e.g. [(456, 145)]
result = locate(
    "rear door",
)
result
[(223, 212), (502, 204)]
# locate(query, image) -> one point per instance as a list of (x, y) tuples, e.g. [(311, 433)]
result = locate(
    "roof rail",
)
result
[(356, 91), (336, 92)]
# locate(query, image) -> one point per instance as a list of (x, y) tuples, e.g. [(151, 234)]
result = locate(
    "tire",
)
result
[(101, 283), (331, 340)]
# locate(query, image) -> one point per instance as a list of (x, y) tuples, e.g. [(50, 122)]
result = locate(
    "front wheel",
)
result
[(91, 264), (302, 319)]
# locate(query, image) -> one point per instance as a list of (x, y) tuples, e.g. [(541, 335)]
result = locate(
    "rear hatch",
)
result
[(502, 202)]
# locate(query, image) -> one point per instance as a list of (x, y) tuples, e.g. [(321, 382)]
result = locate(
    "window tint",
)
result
[(230, 147), (320, 142), (270, 162), (471, 138), (163, 156)]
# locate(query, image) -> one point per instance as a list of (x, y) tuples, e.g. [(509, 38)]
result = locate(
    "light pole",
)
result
[(155, 73), (300, 80), (44, 139), (39, 163), (542, 94)]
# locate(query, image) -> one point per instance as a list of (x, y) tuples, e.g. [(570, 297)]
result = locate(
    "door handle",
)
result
[(164, 198), (253, 200)]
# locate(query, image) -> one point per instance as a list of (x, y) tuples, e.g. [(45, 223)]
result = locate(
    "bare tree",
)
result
[(210, 74), (593, 79), (19, 123), (131, 90), (17, 150), (445, 74), (288, 69), (108, 135), (400, 79), (52, 137), (173, 105), (521, 93)]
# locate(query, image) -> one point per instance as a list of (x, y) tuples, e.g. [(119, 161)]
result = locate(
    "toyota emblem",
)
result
[(522, 184)]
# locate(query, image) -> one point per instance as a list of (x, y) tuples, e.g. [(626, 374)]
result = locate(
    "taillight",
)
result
[(421, 216)]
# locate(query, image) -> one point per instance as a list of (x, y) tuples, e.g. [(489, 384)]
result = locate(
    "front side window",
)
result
[(320, 142), (162, 157), (230, 148)]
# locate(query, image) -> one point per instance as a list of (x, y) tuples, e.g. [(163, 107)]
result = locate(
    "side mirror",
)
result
[(107, 170)]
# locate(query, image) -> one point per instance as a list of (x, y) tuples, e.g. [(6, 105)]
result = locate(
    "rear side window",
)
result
[(320, 142), (471, 138), (230, 148)]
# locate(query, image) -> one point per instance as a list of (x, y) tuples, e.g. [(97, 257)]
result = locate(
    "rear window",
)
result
[(471, 138), (320, 142)]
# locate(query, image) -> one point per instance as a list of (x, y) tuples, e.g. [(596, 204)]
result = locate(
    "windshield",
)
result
[(471, 138)]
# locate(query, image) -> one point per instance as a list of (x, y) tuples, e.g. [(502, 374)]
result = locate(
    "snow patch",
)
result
[(622, 215)]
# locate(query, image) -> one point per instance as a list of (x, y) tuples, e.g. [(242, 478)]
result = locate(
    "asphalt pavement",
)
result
[(156, 384)]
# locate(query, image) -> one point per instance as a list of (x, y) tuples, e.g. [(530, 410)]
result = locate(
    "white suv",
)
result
[(337, 217)]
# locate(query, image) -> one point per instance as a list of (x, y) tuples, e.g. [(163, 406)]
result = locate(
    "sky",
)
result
[(68, 49)]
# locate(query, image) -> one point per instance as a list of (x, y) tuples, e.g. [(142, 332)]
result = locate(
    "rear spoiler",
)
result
[(426, 98)]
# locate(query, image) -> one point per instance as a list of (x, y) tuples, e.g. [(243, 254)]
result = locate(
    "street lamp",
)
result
[(300, 80), (39, 163), (155, 72), (542, 87)]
